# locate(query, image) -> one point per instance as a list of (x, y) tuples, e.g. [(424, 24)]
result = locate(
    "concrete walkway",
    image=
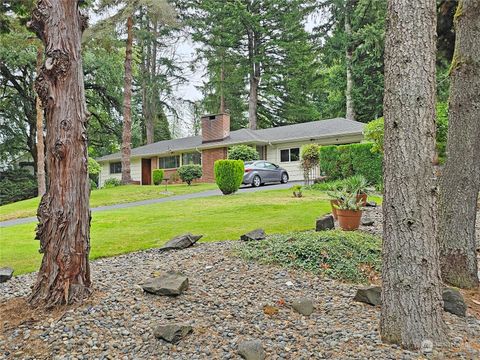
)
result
[(202, 194)]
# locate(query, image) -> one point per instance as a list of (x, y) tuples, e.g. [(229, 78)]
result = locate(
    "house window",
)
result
[(116, 168), (289, 155), (192, 158), (169, 162)]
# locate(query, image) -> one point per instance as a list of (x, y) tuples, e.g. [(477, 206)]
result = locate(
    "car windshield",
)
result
[(248, 163)]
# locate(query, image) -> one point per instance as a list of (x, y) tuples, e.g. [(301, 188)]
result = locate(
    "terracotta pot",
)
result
[(349, 220), (334, 209), (362, 198)]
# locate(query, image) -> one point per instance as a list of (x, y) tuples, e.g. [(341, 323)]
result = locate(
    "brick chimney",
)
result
[(215, 127)]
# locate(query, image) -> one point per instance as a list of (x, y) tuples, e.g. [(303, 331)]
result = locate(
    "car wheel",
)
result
[(256, 182), (284, 178)]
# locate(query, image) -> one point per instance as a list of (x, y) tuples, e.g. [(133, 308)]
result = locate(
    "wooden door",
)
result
[(146, 172)]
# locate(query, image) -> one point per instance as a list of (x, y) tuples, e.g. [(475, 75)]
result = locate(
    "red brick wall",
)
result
[(215, 127), (209, 156)]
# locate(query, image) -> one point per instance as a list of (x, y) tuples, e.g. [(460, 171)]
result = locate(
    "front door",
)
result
[(146, 172)]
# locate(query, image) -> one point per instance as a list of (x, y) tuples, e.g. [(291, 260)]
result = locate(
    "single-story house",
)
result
[(280, 145)]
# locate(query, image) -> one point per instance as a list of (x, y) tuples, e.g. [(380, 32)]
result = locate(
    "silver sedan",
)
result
[(260, 172)]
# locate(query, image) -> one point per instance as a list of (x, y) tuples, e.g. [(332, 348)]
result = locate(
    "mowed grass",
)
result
[(217, 218), (102, 197)]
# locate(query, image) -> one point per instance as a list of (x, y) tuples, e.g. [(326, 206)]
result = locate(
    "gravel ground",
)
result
[(224, 304)]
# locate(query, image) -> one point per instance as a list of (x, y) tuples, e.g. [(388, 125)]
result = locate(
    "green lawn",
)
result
[(217, 218), (101, 197)]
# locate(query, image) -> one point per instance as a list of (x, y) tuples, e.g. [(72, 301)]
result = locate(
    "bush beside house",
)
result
[(343, 161), (188, 173), (16, 185), (243, 152), (229, 175), (157, 176)]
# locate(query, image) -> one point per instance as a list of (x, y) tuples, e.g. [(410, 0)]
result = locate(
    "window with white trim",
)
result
[(290, 155), (169, 162), (116, 168), (194, 158)]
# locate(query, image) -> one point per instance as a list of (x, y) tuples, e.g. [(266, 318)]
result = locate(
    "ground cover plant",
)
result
[(336, 254)]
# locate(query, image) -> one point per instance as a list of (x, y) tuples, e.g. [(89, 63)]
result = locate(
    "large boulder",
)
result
[(181, 242), (254, 235), (369, 295), (172, 333), (166, 283), (325, 223), (453, 302), (303, 306), (251, 350), (6, 274)]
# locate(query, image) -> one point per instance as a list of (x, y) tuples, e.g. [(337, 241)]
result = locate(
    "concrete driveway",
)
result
[(203, 194)]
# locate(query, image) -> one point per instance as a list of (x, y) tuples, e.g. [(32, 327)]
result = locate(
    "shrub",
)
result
[(188, 173), (94, 170), (229, 175), (111, 183), (374, 133), (243, 152), (16, 185), (157, 176), (310, 156), (343, 161), (348, 256)]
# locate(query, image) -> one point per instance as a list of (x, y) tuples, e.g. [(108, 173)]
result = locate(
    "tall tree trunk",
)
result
[(127, 107), (350, 109), (222, 87), (40, 146), (460, 181), (63, 213), (152, 94), (411, 295), (254, 80)]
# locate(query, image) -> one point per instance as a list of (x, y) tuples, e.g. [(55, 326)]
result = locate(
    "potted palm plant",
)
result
[(349, 211), (336, 197), (358, 185)]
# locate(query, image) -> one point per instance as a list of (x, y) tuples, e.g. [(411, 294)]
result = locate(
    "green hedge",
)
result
[(342, 161), (229, 175)]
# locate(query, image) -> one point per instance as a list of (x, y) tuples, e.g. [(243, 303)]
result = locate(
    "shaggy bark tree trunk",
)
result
[(127, 107), (41, 181), (63, 213), (350, 109), (460, 181), (412, 301)]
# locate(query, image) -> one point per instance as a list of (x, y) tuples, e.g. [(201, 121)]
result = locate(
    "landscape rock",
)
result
[(370, 295), (367, 222), (303, 306), (172, 333), (371, 204), (6, 274), (257, 234), (426, 347), (325, 223), (453, 302), (251, 350), (169, 283), (181, 242)]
